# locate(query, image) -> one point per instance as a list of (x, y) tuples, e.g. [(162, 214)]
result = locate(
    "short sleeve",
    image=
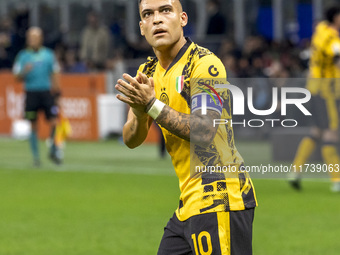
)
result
[(55, 65), (208, 72), (18, 64)]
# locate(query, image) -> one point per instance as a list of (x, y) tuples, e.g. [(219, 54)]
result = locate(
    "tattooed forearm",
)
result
[(195, 127)]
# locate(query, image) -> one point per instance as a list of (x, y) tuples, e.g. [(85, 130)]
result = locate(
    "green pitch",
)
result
[(107, 199)]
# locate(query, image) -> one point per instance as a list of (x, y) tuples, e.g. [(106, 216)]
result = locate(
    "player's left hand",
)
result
[(137, 92)]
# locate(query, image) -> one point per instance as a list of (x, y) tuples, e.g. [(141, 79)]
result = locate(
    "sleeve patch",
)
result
[(204, 102)]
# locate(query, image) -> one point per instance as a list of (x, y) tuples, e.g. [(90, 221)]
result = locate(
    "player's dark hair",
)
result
[(139, 1), (216, 2), (331, 13)]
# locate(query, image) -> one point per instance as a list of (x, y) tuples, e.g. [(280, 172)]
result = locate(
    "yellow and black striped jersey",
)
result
[(176, 86), (325, 48)]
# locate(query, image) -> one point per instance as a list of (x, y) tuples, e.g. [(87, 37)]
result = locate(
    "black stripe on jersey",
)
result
[(180, 54), (202, 52), (150, 66), (208, 188), (242, 178), (180, 204), (208, 156), (221, 190), (221, 186), (187, 70), (231, 141), (227, 101), (222, 201), (325, 60), (216, 203), (249, 198), (208, 178)]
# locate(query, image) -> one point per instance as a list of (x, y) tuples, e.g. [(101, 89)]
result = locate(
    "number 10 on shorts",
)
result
[(198, 243)]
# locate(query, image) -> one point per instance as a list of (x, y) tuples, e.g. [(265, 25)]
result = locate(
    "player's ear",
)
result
[(184, 19), (141, 28)]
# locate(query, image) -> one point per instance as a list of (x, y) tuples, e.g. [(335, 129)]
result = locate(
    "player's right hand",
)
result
[(136, 92)]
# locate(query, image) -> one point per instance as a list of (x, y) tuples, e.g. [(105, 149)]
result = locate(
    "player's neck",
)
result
[(35, 49), (166, 56), (333, 26)]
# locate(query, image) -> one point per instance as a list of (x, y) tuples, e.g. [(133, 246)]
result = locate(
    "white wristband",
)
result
[(156, 109)]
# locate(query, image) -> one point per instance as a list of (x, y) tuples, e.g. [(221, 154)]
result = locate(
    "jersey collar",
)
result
[(180, 54), (34, 51)]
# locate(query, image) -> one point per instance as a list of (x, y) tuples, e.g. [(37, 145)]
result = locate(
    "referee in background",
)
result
[(323, 83), (37, 67)]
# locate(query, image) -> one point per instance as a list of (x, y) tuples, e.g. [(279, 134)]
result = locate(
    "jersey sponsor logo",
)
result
[(213, 71), (211, 82)]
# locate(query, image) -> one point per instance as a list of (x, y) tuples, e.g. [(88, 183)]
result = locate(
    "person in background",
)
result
[(63, 131), (95, 43), (37, 67), (323, 83), (72, 65), (217, 21)]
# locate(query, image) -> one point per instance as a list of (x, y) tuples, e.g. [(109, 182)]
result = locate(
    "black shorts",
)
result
[(325, 112), (40, 100), (216, 233)]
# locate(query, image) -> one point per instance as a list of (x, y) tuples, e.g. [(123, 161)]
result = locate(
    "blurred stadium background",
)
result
[(107, 199)]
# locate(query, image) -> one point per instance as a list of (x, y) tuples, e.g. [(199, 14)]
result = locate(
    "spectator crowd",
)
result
[(101, 47)]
